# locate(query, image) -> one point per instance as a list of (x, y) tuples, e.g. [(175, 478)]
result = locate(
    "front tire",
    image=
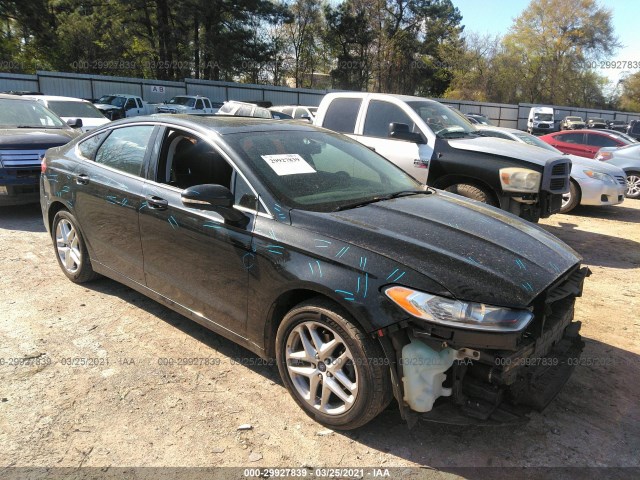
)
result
[(572, 199), (633, 185), (71, 250), (474, 193), (336, 373)]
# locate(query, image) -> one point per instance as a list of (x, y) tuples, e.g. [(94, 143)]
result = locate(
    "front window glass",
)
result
[(74, 109), (112, 100), (318, 171), (441, 119), (27, 114), (380, 114), (543, 117), (125, 149), (186, 101)]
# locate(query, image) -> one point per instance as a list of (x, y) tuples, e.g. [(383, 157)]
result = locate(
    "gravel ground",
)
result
[(126, 407)]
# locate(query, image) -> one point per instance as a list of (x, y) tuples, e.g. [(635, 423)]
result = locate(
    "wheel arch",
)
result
[(288, 300), (449, 180)]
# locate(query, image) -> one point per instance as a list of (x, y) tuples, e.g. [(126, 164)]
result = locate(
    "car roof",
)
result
[(58, 98), (17, 98), (403, 98), (223, 124)]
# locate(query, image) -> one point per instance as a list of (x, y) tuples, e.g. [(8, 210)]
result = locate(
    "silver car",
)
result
[(627, 158), (592, 182)]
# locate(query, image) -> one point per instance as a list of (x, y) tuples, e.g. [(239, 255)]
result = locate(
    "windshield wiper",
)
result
[(382, 198)]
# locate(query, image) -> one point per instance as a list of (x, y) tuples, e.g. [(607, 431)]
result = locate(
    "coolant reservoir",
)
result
[(423, 370)]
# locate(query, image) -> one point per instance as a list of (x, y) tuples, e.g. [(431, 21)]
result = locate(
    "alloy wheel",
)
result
[(633, 185), (322, 368), (68, 246)]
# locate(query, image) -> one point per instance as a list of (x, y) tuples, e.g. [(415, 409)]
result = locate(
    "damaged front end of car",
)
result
[(496, 367)]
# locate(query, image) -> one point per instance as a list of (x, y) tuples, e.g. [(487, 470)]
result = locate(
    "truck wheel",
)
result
[(335, 372), (572, 199), (71, 251), (474, 193), (633, 185)]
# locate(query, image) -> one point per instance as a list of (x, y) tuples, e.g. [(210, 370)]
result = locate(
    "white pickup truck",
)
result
[(192, 104), (119, 105)]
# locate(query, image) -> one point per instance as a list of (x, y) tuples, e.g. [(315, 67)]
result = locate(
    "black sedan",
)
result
[(304, 245)]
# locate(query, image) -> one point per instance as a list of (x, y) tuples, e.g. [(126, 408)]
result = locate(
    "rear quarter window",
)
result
[(125, 149), (89, 147), (342, 114)]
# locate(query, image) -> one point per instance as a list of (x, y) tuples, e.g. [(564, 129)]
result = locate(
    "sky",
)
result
[(495, 17)]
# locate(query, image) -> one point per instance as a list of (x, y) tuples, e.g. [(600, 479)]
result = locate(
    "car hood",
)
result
[(172, 107), (106, 106), (580, 163), (478, 253), (35, 138), (506, 148)]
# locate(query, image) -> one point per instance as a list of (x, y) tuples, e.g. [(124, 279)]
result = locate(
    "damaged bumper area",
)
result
[(465, 377)]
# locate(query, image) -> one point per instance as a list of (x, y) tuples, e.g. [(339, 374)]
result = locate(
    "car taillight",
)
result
[(604, 156), (43, 164)]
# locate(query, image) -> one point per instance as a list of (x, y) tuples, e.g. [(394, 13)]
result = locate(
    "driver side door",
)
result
[(192, 256), (413, 158)]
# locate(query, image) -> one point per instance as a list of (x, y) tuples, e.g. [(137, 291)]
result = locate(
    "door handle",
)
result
[(82, 179), (157, 203)]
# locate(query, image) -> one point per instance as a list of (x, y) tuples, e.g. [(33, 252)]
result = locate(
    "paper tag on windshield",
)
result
[(288, 164)]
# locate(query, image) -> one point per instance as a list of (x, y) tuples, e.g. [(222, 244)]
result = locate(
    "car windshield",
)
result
[(535, 141), (64, 108), (574, 119), (186, 101), (444, 121), (112, 100), (597, 120), (319, 171), (544, 117), (27, 114)]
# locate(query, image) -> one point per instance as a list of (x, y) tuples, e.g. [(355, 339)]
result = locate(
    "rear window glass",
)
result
[(125, 149), (342, 114)]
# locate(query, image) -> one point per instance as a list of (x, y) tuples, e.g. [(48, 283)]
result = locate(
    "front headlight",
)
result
[(454, 313), (603, 177), (519, 180)]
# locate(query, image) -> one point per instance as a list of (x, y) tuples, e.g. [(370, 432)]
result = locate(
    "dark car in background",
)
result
[(618, 125), (596, 122), (633, 130), (628, 159), (585, 143), (304, 245), (478, 119), (27, 130)]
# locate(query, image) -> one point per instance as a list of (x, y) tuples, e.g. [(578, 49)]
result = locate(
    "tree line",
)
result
[(418, 47)]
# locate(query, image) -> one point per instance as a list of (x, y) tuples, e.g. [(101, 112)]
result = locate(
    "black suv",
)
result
[(27, 130)]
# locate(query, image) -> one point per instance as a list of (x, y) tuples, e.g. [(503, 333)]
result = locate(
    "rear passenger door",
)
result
[(108, 195)]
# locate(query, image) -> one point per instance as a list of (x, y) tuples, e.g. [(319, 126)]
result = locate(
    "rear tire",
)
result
[(70, 248), (633, 185), (335, 372), (572, 199), (474, 193)]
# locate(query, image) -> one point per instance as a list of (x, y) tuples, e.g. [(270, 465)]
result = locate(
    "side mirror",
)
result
[(400, 131), (75, 122), (306, 117), (216, 198)]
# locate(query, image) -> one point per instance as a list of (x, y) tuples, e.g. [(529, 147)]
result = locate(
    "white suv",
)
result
[(69, 108)]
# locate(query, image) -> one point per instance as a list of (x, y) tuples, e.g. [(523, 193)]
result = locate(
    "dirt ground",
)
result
[(126, 407)]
